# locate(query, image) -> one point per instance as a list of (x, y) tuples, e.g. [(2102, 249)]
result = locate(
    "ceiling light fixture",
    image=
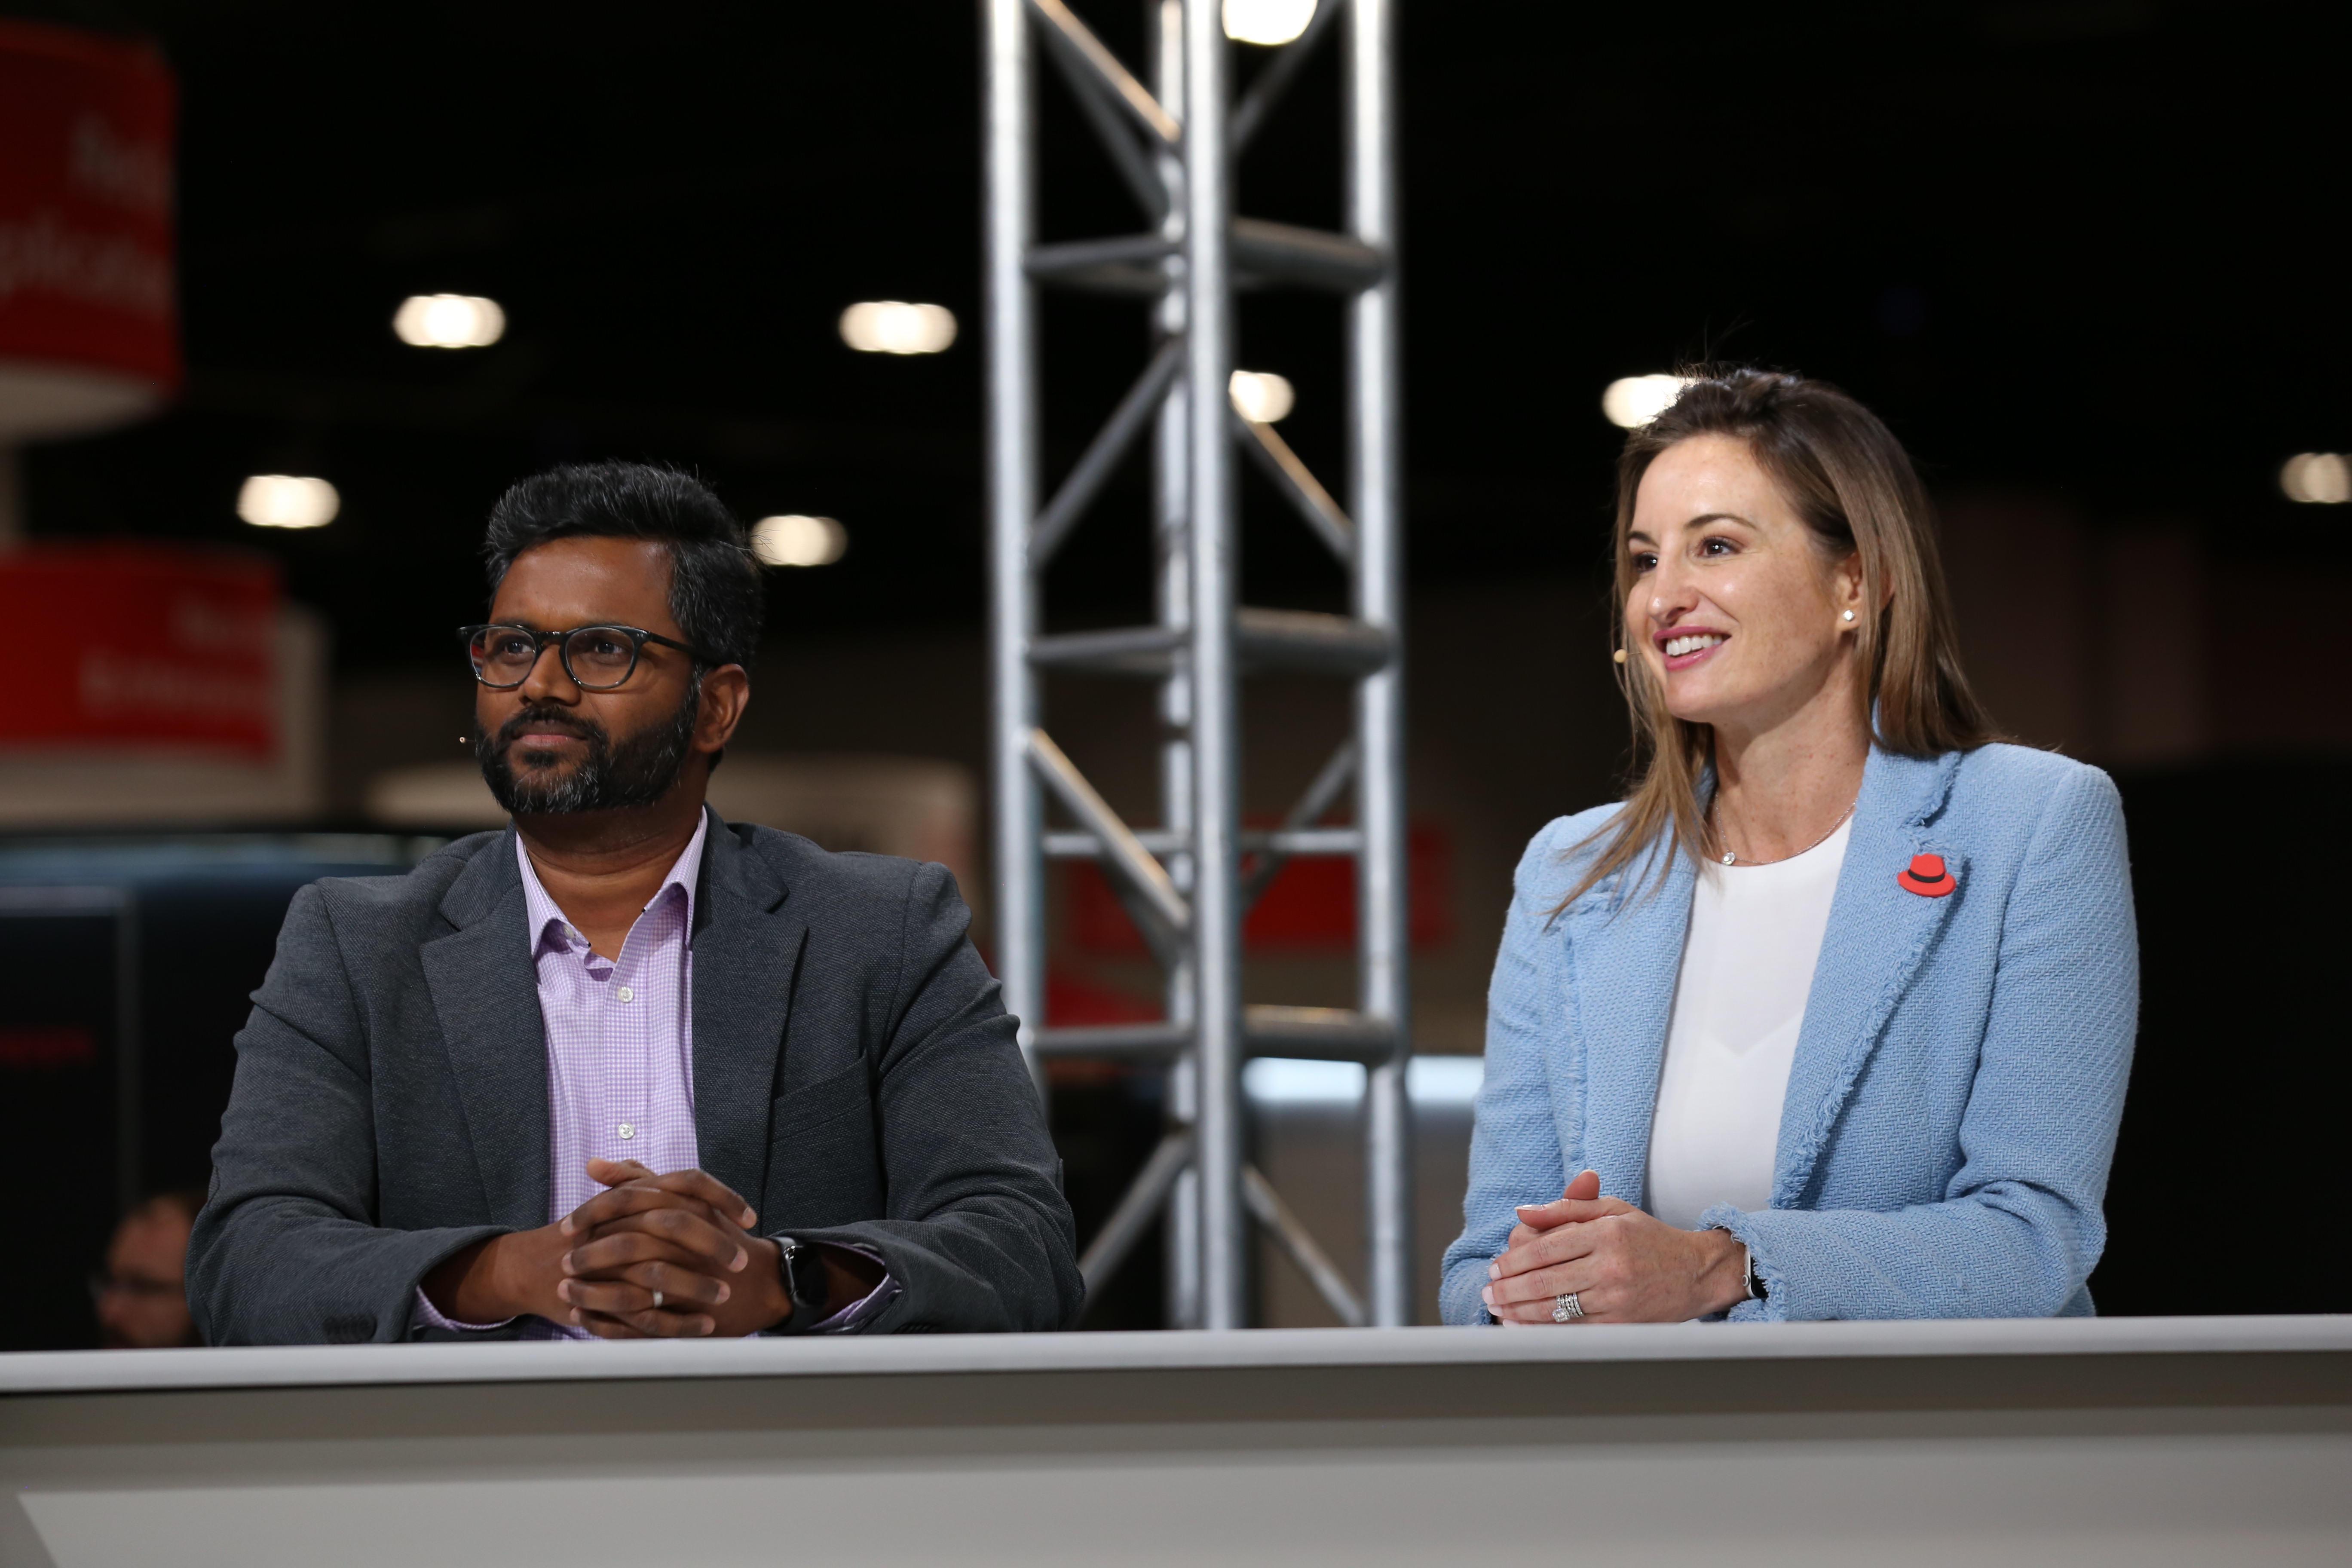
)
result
[(1632, 401), (896, 327), (287, 501), (1261, 396), (794, 540), (2319, 479), (449, 321), (1267, 22)]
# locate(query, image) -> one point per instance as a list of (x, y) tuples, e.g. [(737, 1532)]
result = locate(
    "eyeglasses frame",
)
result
[(638, 636)]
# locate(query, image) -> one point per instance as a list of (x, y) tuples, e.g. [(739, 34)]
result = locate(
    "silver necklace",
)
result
[(1732, 857)]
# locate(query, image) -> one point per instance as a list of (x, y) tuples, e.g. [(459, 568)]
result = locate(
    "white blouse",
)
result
[(1747, 967)]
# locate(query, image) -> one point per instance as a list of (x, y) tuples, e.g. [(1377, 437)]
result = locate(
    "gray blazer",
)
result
[(855, 1077)]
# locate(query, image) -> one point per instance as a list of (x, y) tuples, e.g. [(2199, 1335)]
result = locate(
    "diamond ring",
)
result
[(1566, 1309)]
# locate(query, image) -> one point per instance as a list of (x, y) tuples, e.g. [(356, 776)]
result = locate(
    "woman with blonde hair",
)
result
[(1831, 1017)]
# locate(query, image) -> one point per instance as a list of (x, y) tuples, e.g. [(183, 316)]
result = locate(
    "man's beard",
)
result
[(637, 772)]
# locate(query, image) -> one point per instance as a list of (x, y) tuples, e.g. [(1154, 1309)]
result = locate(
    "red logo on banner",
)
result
[(86, 275), (140, 646)]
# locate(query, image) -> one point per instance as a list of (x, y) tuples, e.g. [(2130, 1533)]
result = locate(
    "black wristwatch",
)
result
[(805, 1281)]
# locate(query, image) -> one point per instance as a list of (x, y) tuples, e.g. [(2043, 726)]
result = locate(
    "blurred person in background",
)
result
[(142, 1295), (623, 1069), (1832, 1016)]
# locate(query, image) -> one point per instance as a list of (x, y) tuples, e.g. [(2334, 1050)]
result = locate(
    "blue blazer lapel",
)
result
[(747, 950), (1877, 935), (1628, 951), (486, 993)]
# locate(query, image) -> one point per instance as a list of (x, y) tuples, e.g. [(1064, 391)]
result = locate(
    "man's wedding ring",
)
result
[(1566, 1309)]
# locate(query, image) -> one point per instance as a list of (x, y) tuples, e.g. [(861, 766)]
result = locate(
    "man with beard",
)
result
[(623, 1069)]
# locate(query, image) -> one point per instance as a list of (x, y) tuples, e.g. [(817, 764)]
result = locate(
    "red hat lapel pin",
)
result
[(1927, 877)]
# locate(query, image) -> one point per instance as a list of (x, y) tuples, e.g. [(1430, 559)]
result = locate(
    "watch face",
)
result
[(803, 1277)]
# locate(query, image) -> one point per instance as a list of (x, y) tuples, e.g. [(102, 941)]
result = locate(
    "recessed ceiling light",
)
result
[(794, 540), (1266, 21), (287, 501), (449, 321), (2322, 478), (896, 327), (1633, 401), (1261, 396)]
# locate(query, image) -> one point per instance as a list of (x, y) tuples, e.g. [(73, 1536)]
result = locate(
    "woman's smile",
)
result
[(1686, 646)]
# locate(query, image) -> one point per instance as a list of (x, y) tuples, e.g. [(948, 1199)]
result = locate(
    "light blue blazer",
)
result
[(1952, 1107)]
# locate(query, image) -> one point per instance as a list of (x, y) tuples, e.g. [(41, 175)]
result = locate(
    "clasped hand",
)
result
[(684, 1235), (1624, 1266)]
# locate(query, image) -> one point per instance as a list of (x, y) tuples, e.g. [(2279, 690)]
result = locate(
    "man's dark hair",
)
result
[(715, 594)]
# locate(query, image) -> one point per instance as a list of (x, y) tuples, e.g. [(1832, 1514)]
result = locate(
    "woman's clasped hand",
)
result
[(1622, 1265)]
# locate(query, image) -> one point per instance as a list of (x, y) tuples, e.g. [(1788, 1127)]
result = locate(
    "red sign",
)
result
[(140, 646), (86, 278), (1308, 908), (37, 1046)]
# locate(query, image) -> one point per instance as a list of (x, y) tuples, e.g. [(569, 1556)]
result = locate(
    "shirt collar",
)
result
[(685, 874)]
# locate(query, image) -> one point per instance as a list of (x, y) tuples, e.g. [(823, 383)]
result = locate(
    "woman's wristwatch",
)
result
[(1757, 1290)]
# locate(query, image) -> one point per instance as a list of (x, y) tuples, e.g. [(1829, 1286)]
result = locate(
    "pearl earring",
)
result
[(1621, 655), (1849, 614)]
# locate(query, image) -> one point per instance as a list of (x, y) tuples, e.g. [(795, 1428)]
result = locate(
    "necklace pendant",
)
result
[(1730, 859)]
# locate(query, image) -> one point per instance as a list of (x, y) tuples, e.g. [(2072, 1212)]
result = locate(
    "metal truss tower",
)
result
[(1189, 881)]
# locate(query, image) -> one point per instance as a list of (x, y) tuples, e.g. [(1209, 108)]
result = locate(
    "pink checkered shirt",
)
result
[(620, 1054), (620, 1034)]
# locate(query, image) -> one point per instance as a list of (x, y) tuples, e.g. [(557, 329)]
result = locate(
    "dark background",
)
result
[(2085, 252), (195, 924), (2087, 244)]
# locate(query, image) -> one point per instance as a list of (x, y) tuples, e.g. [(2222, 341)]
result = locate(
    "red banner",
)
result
[(139, 647), (1308, 908), (85, 273)]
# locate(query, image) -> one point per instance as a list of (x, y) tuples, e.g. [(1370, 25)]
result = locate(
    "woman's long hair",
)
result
[(1851, 482)]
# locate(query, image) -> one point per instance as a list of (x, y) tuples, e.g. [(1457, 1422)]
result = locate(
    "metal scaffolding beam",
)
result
[(1172, 132)]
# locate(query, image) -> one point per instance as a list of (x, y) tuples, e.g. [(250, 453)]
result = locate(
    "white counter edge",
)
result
[(70, 1372)]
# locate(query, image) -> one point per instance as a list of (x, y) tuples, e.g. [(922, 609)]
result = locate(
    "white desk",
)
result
[(2113, 1441)]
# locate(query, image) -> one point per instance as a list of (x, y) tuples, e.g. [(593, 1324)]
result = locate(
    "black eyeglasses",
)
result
[(597, 658)]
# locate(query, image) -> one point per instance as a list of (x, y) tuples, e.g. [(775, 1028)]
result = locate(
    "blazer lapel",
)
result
[(746, 952), (1628, 949), (1877, 935), (486, 993)]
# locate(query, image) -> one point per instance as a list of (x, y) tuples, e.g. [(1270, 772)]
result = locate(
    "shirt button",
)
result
[(627, 1129), (627, 995)]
